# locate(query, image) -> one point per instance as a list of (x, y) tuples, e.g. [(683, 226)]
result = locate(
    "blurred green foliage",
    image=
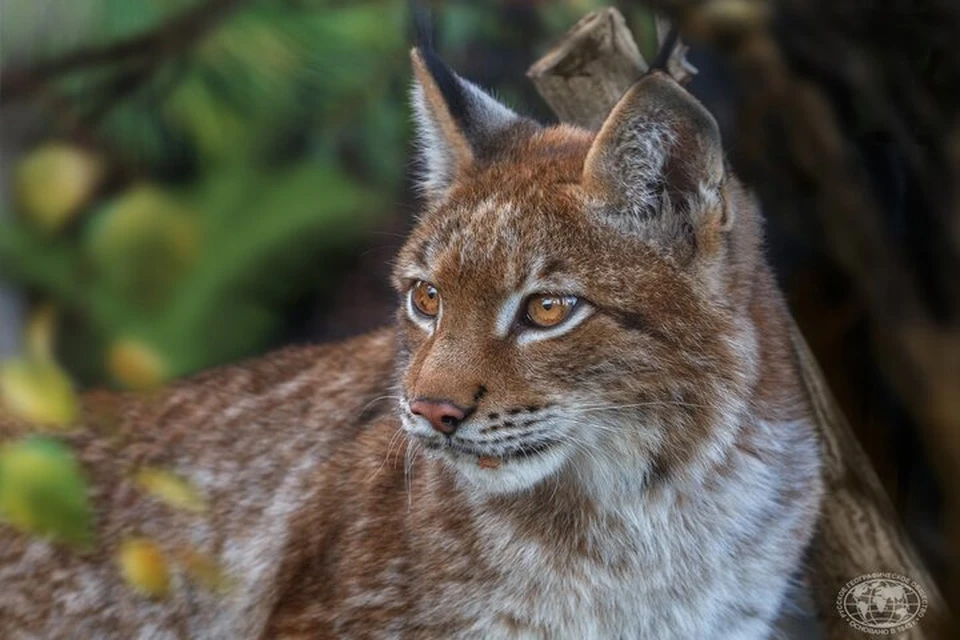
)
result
[(43, 491), (183, 194), (226, 182)]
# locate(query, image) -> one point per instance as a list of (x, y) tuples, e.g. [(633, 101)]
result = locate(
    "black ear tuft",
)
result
[(422, 25), (442, 74), (457, 122), (449, 85)]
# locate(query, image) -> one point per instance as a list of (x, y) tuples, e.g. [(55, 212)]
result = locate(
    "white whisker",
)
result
[(378, 399), (395, 438), (408, 462), (637, 405)]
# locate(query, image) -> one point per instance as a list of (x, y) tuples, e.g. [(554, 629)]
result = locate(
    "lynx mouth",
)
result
[(499, 466), (489, 457)]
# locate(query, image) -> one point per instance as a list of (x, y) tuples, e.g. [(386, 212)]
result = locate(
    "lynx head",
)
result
[(571, 299)]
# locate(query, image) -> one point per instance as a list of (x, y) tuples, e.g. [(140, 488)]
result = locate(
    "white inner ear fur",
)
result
[(658, 158), (486, 112), (437, 152), (434, 152), (636, 165)]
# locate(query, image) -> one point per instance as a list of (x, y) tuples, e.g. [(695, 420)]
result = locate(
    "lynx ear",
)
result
[(658, 159), (456, 121)]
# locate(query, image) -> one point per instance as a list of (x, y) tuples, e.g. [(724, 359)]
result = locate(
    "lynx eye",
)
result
[(425, 298), (545, 310)]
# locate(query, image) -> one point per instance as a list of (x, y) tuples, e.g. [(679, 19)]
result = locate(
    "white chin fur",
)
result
[(515, 474), (512, 475)]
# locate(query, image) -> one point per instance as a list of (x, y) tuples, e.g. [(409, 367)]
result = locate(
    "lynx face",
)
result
[(564, 297)]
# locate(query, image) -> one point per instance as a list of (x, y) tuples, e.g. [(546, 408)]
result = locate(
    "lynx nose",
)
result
[(444, 416)]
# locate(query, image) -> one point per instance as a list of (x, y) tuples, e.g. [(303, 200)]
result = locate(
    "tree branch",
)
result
[(178, 34)]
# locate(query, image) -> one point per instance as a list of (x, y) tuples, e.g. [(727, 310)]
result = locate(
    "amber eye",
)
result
[(544, 310), (425, 298)]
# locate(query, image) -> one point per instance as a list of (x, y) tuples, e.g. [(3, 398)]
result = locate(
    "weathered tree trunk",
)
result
[(581, 79)]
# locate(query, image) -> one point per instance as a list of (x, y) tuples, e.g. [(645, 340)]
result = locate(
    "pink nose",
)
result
[(444, 416)]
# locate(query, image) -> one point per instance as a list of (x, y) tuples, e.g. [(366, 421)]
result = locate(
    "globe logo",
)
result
[(882, 603)]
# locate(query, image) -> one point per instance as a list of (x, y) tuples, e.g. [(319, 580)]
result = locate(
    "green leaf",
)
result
[(142, 244), (43, 492), (56, 267)]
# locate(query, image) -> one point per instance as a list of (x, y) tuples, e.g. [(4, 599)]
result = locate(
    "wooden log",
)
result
[(581, 78), (859, 530), (587, 72)]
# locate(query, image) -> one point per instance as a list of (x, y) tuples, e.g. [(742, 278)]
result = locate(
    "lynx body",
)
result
[(586, 423)]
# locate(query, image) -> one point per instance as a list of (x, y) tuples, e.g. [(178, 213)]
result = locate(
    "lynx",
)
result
[(585, 422)]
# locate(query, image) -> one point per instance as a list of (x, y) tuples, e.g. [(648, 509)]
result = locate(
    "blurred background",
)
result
[(186, 183)]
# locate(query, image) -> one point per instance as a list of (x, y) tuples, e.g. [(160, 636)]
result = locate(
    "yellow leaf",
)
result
[(142, 214), (136, 365), (170, 488), (38, 391), (205, 571), (41, 331), (53, 182), (143, 243), (144, 567)]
